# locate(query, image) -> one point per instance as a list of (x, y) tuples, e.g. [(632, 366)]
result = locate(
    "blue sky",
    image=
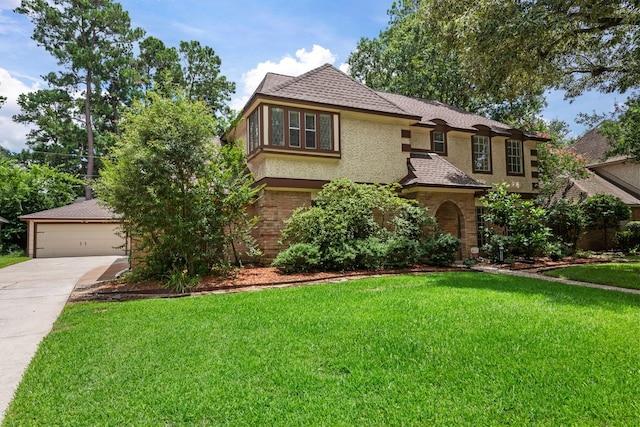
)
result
[(251, 37)]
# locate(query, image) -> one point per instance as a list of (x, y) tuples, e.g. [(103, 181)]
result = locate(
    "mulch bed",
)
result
[(252, 278)]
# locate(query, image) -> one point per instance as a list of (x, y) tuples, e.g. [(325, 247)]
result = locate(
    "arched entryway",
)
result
[(450, 220)]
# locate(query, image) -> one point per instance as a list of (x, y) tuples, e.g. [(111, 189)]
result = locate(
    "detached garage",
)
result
[(81, 229)]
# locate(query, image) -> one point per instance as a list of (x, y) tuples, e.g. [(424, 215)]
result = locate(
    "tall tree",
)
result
[(184, 197), (91, 39), (623, 130), (414, 59), (524, 46), (24, 190), (59, 137)]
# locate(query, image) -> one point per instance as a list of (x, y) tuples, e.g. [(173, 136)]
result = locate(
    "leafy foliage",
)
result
[(521, 220), (182, 196), (603, 212), (25, 190), (355, 226), (629, 239), (557, 164), (522, 47), (414, 59), (566, 219), (624, 132)]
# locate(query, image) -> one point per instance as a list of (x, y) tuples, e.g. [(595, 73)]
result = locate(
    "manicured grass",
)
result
[(6, 260), (624, 275), (444, 349)]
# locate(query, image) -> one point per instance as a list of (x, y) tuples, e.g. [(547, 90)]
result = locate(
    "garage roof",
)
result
[(88, 209)]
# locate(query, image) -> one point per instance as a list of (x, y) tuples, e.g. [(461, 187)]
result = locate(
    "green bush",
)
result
[(440, 250), (356, 226), (401, 252), (629, 239), (556, 250), (300, 257), (492, 249), (371, 253)]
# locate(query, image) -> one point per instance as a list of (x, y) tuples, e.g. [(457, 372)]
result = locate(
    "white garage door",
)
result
[(62, 240)]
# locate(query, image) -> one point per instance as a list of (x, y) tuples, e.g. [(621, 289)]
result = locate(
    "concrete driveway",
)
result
[(32, 296)]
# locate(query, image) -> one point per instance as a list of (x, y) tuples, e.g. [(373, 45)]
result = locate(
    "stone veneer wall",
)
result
[(273, 207), (446, 221)]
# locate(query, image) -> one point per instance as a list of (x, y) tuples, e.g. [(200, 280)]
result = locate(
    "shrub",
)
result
[(556, 250), (604, 211), (629, 239), (440, 250), (357, 226), (371, 253), (492, 249), (401, 252), (567, 221), (300, 257), (339, 257), (521, 219)]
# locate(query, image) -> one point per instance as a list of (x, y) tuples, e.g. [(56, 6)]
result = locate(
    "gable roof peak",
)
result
[(327, 85)]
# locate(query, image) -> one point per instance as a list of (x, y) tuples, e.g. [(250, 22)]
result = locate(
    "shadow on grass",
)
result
[(555, 292)]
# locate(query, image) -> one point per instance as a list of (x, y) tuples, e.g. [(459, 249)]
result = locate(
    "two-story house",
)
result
[(302, 132), (615, 175)]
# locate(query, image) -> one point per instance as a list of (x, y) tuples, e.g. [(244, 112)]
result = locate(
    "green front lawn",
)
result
[(6, 260), (444, 349), (624, 275)]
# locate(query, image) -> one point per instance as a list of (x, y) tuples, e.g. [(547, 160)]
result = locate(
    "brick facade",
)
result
[(273, 207), (456, 214)]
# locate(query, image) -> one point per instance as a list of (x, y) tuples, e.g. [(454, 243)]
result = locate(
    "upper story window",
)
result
[(294, 129), (481, 154), (515, 158), (254, 129), (277, 127), (439, 142), (300, 129), (309, 130)]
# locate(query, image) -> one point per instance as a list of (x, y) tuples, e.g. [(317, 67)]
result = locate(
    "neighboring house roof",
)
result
[(595, 184), (6, 221), (88, 209), (431, 170), (594, 146)]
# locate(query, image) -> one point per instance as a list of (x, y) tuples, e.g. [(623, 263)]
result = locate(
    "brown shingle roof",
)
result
[(596, 184), (88, 209), (432, 170), (594, 146), (429, 110), (330, 86)]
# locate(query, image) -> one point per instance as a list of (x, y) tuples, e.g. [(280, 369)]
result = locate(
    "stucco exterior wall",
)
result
[(371, 151), (626, 173), (459, 152)]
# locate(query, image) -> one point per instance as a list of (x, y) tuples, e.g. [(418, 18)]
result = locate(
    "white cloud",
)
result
[(13, 135), (304, 61)]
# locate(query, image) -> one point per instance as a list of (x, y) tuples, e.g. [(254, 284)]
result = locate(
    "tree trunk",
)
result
[(90, 161)]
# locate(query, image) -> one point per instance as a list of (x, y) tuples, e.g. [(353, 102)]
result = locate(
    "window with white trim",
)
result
[(481, 155), (515, 158), (309, 131), (439, 142), (294, 129)]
